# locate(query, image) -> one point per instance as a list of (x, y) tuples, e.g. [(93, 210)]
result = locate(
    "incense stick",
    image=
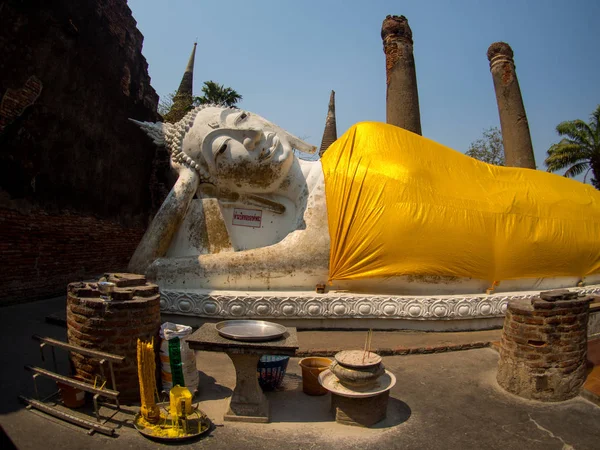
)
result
[(367, 348)]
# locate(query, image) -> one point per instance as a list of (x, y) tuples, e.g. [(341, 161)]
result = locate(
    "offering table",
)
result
[(248, 403)]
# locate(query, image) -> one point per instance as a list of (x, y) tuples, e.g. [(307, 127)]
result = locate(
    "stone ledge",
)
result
[(402, 351), (342, 305)]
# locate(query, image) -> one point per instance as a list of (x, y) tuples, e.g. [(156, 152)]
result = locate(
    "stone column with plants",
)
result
[(518, 149), (402, 99)]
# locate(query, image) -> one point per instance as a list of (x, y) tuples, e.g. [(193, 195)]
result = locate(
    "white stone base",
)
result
[(349, 310)]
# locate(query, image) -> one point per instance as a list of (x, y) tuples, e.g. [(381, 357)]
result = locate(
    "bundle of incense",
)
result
[(147, 377)]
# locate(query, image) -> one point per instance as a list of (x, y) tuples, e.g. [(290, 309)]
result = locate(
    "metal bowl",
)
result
[(250, 330), (106, 289)]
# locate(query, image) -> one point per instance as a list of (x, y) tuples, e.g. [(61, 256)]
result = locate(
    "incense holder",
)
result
[(356, 369)]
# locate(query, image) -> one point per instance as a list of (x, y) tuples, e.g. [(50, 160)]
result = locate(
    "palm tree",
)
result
[(218, 94), (579, 150)]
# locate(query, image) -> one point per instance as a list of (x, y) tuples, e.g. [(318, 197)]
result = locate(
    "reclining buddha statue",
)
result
[(383, 211)]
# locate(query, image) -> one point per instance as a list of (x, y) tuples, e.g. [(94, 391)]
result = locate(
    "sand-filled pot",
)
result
[(311, 368)]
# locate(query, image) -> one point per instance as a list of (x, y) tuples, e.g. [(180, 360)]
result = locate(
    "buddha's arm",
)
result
[(302, 255), (295, 261), (159, 234)]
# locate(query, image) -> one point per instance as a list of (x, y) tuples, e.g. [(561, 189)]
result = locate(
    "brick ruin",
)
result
[(77, 184), (544, 346), (113, 326)]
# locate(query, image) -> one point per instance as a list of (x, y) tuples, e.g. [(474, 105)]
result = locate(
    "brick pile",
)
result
[(113, 326), (544, 346)]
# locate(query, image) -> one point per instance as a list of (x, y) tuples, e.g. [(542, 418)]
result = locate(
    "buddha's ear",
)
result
[(296, 142), (156, 130), (299, 144)]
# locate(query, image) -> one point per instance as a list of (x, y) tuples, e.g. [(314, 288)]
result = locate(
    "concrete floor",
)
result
[(440, 401)]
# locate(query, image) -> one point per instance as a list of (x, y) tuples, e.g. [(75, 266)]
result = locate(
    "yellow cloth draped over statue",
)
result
[(401, 204)]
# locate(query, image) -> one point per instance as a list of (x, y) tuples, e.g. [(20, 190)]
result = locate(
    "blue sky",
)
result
[(285, 56)]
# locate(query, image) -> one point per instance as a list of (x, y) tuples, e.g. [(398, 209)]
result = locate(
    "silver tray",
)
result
[(250, 330)]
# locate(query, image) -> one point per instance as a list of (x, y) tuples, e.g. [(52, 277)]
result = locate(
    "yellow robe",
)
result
[(401, 204)]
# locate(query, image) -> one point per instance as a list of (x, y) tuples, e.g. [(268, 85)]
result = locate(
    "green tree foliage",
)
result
[(212, 93), (218, 94), (579, 150), (489, 148)]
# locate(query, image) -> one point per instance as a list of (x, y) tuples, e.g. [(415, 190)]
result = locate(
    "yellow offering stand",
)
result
[(181, 421)]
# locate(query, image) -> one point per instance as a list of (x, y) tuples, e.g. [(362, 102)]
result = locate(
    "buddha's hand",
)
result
[(186, 167), (180, 164)]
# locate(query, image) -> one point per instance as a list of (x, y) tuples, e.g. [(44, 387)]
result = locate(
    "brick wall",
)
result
[(76, 177), (16, 101), (71, 74), (544, 346), (41, 253)]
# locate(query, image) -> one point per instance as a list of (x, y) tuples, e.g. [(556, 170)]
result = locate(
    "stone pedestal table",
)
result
[(248, 403)]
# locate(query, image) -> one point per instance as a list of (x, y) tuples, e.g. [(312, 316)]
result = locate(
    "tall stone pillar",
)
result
[(330, 132), (518, 150), (402, 99)]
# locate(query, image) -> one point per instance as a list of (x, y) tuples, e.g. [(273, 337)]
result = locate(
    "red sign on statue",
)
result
[(247, 217)]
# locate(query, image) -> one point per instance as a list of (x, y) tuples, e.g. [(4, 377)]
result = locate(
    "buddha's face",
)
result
[(247, 153)]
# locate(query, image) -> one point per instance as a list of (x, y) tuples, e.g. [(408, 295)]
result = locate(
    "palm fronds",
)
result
[(218, 94), (579, 150)]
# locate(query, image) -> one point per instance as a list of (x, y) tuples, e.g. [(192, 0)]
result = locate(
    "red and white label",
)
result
[(247, 217)]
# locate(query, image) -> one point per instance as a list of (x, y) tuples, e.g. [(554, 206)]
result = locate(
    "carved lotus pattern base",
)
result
[(342, 306)]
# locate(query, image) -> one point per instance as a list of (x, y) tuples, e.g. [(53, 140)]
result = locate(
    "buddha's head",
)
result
[(230, 148)]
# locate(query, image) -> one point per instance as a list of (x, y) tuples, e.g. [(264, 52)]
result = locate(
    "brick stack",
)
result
[(544, 346), (113, 326)]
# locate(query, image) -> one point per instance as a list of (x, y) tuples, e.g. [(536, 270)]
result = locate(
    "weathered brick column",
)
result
[(544, 346), (402, 98), (518, 149), (113, 326)]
